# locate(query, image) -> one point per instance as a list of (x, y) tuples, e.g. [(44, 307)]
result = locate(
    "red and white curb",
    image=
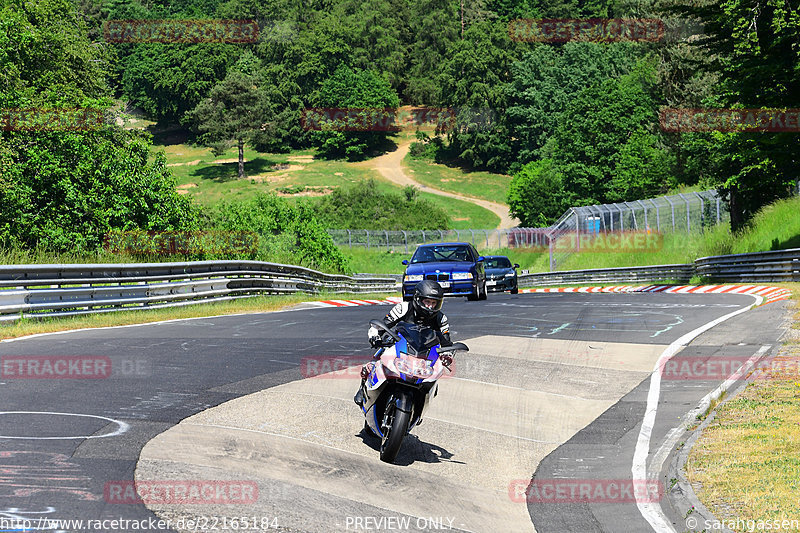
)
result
[(352, 303), (770, 294)]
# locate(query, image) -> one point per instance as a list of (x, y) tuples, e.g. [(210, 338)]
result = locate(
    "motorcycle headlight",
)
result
[(413, 277), (461, 275), (421, 369)]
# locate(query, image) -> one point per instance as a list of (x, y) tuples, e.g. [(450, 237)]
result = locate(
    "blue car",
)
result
[(500, 274), (457, 267)]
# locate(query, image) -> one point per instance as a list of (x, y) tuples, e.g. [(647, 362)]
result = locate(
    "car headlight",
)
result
[(413, 277), (461, 275), (510, 275)]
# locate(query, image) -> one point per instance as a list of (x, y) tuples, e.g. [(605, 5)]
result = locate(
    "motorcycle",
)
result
[(402, 383)]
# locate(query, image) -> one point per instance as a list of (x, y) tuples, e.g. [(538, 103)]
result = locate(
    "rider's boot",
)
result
[(359, 397)]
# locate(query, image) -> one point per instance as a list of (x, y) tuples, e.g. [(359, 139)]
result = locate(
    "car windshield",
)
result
[(419, 339), (429, 254), (498, 262)]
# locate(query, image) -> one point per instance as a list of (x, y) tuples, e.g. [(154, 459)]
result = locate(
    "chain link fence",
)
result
[(678, 213), (407, 241), (684, 212)]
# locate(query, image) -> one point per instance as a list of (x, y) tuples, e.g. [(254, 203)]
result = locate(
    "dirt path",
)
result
[(391, 167)]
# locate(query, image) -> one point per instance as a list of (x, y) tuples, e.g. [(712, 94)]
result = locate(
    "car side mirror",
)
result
[(481, 258), (516, 265), (405, 261)]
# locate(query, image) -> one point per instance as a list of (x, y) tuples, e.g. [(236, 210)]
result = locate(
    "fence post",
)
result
[(658, 219), (441, 235), (718, 219), (350, 239), (633, 215), (424, 240), (367, 239), (386, 232), (702, 206), (621, 218), (688, 220), (405, 239), (487, 238), (646, 222), (552, 259), (672, 207)]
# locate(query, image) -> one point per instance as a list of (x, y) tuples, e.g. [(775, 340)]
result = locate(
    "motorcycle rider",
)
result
[(425, 309)]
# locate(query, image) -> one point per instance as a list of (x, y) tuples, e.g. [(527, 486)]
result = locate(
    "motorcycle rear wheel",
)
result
[(390, 445)]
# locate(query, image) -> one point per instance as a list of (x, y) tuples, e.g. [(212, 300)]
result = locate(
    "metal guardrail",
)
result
[(679, 273), (760, 267), (64, 290), (779, 265)]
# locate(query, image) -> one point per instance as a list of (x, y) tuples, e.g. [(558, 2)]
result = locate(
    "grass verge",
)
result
[(747, 461), (257, 304)]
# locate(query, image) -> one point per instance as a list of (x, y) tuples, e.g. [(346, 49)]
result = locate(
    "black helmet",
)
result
[(428, 290)]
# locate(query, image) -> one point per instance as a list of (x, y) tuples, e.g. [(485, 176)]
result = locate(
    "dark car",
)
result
[(500, 274), (457, 267)]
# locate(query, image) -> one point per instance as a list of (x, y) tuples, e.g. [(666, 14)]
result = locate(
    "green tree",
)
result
[(357, 91), (756, 47), (537, 195), (234, 113)]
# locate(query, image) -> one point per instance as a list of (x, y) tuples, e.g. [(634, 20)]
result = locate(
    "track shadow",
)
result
[(412, 450)]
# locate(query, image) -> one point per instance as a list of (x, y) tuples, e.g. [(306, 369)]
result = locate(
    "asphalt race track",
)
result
[(555, 387)]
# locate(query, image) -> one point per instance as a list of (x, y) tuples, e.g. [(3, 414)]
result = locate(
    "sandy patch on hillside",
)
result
[(269, 178), (184, 189), (301, 158), (189, 164)]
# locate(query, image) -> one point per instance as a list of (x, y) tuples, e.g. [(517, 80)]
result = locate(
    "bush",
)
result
[(363, 206), (287, 233)]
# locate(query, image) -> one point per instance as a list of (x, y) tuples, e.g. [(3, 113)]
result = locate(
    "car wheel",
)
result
[(515, 290), (483, 295), (474, 296)]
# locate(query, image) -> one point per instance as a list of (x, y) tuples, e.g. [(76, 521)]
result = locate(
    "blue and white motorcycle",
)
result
[(401, 384)]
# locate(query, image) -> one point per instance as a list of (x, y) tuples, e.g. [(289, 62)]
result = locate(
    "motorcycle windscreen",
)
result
[(419, 339)]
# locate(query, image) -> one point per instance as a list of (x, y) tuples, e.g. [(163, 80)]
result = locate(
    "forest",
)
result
[(574, 121)]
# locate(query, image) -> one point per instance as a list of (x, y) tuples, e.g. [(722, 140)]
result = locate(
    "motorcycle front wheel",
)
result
[(397, 428)]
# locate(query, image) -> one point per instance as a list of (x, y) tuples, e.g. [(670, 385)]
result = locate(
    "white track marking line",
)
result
[(652, 512)]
